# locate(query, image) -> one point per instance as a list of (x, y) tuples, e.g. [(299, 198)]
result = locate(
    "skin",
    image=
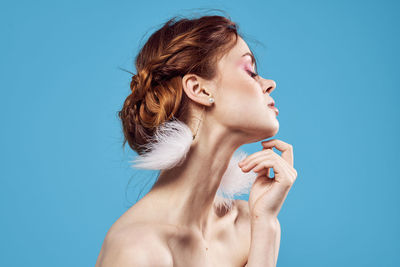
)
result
[(176, 223)]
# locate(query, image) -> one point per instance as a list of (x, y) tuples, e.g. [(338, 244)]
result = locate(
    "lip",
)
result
[(272, 106)]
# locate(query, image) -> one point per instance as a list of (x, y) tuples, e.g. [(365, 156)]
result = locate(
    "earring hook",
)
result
[(211, 100)]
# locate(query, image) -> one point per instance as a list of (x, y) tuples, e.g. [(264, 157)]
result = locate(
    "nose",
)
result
[(268, 85)]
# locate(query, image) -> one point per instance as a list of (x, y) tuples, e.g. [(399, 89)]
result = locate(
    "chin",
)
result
[(276, 131), (267, 131), (271, 129), (276, 125)]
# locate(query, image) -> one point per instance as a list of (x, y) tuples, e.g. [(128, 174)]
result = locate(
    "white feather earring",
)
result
[(234, 181), (169, 147)]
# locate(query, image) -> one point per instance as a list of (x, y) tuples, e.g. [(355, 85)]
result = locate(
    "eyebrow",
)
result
[(253, 60)]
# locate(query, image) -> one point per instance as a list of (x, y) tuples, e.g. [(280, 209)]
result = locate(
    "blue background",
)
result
[(65, 177)]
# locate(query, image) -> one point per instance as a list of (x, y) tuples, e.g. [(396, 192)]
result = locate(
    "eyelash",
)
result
[(252, 74)]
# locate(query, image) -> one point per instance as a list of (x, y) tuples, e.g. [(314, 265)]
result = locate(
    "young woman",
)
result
[(202, 72)]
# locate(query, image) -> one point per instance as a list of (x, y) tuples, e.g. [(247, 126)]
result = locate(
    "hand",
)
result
[(268, 194)]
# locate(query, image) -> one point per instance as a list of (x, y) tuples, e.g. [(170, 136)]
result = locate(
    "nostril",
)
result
[(268, 89)]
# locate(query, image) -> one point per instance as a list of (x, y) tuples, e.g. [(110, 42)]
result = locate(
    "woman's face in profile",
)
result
[(241, 98)]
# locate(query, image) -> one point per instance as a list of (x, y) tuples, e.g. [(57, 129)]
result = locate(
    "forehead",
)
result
[(236, 53)]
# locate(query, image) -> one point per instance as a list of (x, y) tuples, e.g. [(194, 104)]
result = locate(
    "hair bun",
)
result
[(134, 82), (178, 47), (138, 91)]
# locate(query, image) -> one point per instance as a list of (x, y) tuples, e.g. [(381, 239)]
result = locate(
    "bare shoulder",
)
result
[(136, 245)]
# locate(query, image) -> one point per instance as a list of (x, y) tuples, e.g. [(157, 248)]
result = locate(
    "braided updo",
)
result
[(177, 48)]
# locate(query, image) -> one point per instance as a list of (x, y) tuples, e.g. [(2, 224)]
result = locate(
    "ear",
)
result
[(197, 88)]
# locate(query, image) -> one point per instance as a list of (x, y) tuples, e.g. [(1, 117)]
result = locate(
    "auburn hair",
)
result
[(177, 48)]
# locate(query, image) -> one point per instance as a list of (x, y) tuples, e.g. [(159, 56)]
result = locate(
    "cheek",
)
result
[(242, 85), (246, 91), (240, 93), (243, 98)]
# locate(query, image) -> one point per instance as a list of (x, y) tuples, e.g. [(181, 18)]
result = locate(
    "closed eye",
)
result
[(252, 74)]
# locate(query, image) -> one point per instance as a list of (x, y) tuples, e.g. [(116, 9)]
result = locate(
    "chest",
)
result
[(228, 246)]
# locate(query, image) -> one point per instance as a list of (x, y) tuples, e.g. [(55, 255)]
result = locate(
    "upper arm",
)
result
[(137, 247), (137, 255)]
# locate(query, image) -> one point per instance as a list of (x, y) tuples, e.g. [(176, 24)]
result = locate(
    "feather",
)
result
[(234, 182), (168, 148)]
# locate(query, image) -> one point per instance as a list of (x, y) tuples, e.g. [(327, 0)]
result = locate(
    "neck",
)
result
[(187, 191)]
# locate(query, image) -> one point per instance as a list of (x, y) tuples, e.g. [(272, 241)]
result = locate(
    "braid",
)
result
[(149, 105)]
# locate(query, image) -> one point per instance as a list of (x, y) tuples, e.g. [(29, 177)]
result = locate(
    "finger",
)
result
[(281, 170), (259, 167), (246, 160), (277, 167), (261, 180), (282, 175), (291, 170), (249, 164), (263, 172), (259, 157), (267, 161), (285, 148)]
